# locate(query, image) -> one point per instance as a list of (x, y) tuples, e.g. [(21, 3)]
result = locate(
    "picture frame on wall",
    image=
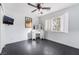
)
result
[(28, 22)]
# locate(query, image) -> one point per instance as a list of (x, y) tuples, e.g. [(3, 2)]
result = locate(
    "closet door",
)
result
[(2, 30)]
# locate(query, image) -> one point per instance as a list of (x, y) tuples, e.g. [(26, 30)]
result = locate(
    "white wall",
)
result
[(17, 32), (71, 38)]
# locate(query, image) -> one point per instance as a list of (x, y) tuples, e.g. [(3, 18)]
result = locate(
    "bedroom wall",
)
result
[(17, 32), (72, 37)]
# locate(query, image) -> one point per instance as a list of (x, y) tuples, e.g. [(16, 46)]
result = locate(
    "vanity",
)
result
[(37, 34)]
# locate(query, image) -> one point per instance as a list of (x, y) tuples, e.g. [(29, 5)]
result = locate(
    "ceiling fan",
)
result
[(38, 7)]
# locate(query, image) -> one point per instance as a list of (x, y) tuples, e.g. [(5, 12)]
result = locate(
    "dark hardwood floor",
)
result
[(38, 47)]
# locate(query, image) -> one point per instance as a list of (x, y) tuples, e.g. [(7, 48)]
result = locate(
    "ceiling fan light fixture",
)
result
[(40, 11), (39, 7)]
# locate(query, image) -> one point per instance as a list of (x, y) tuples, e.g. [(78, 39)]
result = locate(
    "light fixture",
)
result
[(39, 7)]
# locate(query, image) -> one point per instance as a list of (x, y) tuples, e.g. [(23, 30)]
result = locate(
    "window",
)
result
[(57, 23)]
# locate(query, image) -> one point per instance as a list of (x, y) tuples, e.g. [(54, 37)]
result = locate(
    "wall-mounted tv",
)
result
[(8, 20)]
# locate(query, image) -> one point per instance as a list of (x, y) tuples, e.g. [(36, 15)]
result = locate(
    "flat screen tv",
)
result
[(8, 20)]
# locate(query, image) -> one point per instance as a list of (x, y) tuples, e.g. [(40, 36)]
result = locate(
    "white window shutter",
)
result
[(64, 22)]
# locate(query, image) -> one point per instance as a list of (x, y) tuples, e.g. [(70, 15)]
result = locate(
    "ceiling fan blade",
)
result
[(31, 5), (48, 8), (34, 10)]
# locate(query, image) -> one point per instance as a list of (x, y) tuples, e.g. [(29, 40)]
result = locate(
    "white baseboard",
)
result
[(63, 43)]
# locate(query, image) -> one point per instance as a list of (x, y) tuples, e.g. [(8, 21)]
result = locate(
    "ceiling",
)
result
[(24, 8)]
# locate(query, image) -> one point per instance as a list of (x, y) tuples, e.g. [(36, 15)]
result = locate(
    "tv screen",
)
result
[(8, 20)]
